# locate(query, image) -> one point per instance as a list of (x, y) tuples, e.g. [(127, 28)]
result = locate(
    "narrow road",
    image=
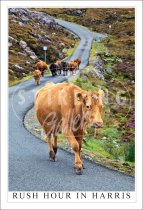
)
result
[(29, 166)]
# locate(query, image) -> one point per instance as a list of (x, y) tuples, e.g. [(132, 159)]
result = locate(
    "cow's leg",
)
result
[(52, 155), (52, 73), (55, 145), (79, 140), (42, 73), (75, 147), (38, 82)]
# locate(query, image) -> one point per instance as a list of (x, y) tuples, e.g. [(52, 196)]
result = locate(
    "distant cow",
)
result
[(65, 67), (42, 66), (78, 61), (53, 68), (67, 108), (37, 76), (59, 66), (73, 66)]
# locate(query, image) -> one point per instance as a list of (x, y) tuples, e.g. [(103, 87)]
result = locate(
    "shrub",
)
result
[(130, 151)]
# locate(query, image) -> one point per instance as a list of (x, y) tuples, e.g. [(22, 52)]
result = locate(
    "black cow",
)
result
[(65, 67), (53, 67)]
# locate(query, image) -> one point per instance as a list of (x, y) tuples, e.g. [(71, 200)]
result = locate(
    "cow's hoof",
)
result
[(83, 166), (78, 171), (55, 149), (52, 156)]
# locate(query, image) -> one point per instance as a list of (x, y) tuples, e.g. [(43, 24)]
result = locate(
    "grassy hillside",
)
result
[(114, 144)]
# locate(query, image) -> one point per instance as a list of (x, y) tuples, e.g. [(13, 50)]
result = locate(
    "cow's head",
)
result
[(92, 102)]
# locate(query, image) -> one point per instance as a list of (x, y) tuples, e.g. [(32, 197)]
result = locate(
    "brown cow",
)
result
[(37, 76), (59, 66), (78, 61), (67, 108), (42, 66), (73, 66)]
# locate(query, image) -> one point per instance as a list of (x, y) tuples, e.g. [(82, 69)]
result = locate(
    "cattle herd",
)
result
[(56, 68)]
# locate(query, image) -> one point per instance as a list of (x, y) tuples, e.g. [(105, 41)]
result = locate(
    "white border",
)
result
[(4, 104)]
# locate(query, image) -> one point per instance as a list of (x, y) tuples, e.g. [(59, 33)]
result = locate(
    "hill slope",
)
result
[(29, 31)]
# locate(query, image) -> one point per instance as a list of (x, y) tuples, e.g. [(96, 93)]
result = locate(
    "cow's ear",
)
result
[(79, 96)]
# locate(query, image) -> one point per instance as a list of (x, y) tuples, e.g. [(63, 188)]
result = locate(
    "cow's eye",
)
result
[(88, 107)]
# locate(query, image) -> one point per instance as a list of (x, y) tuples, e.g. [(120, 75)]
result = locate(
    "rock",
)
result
[(24, 75), (12, 40), (9, 44), (97, 39), (97, 54), (97, 73), (17, 68), (75, 37), (61, 55), (22, 54), (23, 44), (62, 44), (119, 60), (98, 70), (96, 21), (33, 57), (75, 12), (133, 82), (18, 11), (19, 74), (109, 71), (24, 19), (64, 50), (32, 68), (21, 24), (28, 63), (104, 138), (29, 51), (11, 72), (45, 41)]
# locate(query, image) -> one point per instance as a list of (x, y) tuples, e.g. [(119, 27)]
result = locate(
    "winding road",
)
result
[(29, 166)]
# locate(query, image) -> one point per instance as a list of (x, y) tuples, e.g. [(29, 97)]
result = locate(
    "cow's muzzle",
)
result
[(97, 125)]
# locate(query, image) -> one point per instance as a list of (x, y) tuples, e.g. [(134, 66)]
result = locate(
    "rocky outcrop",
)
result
[(25, 15), (12, 40), (76, 12), (22, 44)]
